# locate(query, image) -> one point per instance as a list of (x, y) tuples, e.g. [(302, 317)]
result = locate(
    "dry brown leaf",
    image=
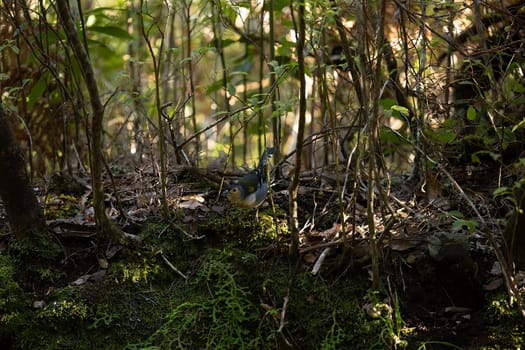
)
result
[(309, 258), (414, 257), (493, 285), (400, 244), (193, 197), (191, 204)]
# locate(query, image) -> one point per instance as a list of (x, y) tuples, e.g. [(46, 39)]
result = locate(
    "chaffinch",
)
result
[(251, 190)]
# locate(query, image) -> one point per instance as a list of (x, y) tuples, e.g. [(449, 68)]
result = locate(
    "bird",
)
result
[(251, 190)]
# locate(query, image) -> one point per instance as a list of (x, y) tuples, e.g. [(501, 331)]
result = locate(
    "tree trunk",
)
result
[(23, 211), (105, 227)]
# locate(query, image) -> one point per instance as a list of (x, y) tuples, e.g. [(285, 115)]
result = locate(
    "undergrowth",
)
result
[(237, 293)]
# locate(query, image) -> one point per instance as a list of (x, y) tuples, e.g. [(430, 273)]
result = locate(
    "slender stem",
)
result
[(294, 185)]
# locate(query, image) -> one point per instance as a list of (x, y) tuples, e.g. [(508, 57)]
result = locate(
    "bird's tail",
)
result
[(267, 154)]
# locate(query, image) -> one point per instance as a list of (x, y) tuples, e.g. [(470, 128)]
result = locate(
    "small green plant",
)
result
[(423, 345), (217, 319), (513, 193), (460, 222), (66, 306), (13, 301), (37, 258), (391, 322), (335, 335), (103, 318), (59, 206)]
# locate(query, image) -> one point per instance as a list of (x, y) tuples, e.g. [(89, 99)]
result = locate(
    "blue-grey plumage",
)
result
[(251, 190)]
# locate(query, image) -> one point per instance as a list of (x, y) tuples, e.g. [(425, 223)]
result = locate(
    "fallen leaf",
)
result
[(39, 304), (97, 276), (103, 263), (400, 244), (414, 257), (493, 285), (191, 204), (309, 258), (193, 197), (80, 281), (457, 310), (111, 251)]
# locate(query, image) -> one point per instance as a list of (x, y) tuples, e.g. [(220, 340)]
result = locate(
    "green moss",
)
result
[(501, 316), (13, 301), (249, 228), (105, 315), (338, 313), (218, 312), (60, 206), (239, 291), (236, 299), (64, 310)]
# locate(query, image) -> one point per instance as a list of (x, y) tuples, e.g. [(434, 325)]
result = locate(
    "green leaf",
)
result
[(500, 191), (15, 49), (456, 214), (278, 5), (36, 91), (515, 86), (389, 136), (387, 103), (519, 125), (231, 89), (400, 109), (112, 31), (244, 4), (215, 86), (476, 159), (442, 135), (469, 224), (228, 42), (471, 113), (102, 11)]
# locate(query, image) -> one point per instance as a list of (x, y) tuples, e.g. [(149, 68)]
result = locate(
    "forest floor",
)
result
[(220, 277)]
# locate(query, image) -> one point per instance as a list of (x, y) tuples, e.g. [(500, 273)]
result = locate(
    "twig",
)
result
[(173, 267), (320, 260), (226, 115), (321, 245), (283, 315)]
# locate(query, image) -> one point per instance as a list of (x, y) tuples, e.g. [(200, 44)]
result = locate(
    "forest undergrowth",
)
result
[(218, 276)]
